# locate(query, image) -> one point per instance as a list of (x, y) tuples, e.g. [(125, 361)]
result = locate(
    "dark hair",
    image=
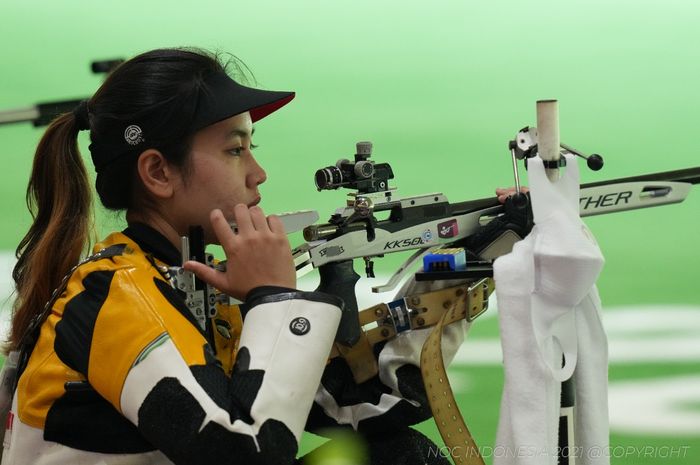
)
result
[(158, 90)]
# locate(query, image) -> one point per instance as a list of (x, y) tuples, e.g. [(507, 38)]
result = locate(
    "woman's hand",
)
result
[(504, 193), (257, 255)]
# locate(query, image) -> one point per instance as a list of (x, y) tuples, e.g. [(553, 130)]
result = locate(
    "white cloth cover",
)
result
[(549, 311)]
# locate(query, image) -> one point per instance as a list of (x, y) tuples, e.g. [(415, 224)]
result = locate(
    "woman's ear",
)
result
[(157, 175)]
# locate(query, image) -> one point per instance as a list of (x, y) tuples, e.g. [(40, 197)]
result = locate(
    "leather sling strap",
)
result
[(448, 418), (435, 309)]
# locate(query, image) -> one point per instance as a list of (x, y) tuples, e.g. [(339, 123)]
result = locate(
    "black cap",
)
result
[(220, 97)]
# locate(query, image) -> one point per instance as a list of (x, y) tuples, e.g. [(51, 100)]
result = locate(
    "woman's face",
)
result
[(223, 173)]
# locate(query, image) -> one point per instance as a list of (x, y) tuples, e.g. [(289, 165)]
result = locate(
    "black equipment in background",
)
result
[(42, 114)]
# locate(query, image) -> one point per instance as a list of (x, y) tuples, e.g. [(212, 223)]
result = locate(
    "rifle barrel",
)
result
[(688, 175)]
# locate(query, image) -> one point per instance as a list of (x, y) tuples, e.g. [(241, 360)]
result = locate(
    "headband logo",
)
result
[(133, 135)]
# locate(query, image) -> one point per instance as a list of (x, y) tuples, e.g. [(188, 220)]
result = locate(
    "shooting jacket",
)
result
[(121, 372)]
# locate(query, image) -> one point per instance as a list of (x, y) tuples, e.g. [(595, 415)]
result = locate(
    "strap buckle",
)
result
[(400, 315), (478, 298)]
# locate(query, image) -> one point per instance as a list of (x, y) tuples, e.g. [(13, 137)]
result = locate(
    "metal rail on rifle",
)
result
[(430, 221)]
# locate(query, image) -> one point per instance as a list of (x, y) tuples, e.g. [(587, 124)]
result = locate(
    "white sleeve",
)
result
[(195, 414)]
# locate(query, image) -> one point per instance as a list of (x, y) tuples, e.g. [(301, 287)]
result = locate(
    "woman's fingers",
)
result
[(222, 229), (504, 192), (206, 273), (258, 255), (258, 219), (244, 223), (276, 225)]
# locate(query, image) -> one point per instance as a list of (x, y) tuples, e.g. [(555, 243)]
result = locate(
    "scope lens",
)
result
[(328, 178), (364, 169)]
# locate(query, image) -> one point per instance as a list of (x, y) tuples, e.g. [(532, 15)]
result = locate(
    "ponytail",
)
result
[(59, 200), (158, 90)]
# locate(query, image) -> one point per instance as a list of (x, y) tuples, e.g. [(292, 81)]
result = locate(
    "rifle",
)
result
[(375, 221), (487, 228), (428, 222), (423, 223)]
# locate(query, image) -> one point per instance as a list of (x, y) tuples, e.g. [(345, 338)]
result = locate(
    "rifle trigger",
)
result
[(369, 267)]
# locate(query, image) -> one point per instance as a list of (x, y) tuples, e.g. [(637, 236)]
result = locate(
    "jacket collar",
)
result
[(153, 242)]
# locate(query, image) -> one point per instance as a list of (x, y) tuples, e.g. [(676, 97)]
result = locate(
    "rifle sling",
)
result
[(435, 309)]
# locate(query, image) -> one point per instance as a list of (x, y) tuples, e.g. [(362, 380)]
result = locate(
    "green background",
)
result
[(439, 88)]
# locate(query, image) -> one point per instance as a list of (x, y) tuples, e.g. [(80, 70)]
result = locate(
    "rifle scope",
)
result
[(363, 174)]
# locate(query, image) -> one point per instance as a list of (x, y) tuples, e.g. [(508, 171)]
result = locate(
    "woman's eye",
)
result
[(239, 150)]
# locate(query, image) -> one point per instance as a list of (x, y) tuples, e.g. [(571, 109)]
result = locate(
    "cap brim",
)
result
[(222, 98), (262, 111)]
